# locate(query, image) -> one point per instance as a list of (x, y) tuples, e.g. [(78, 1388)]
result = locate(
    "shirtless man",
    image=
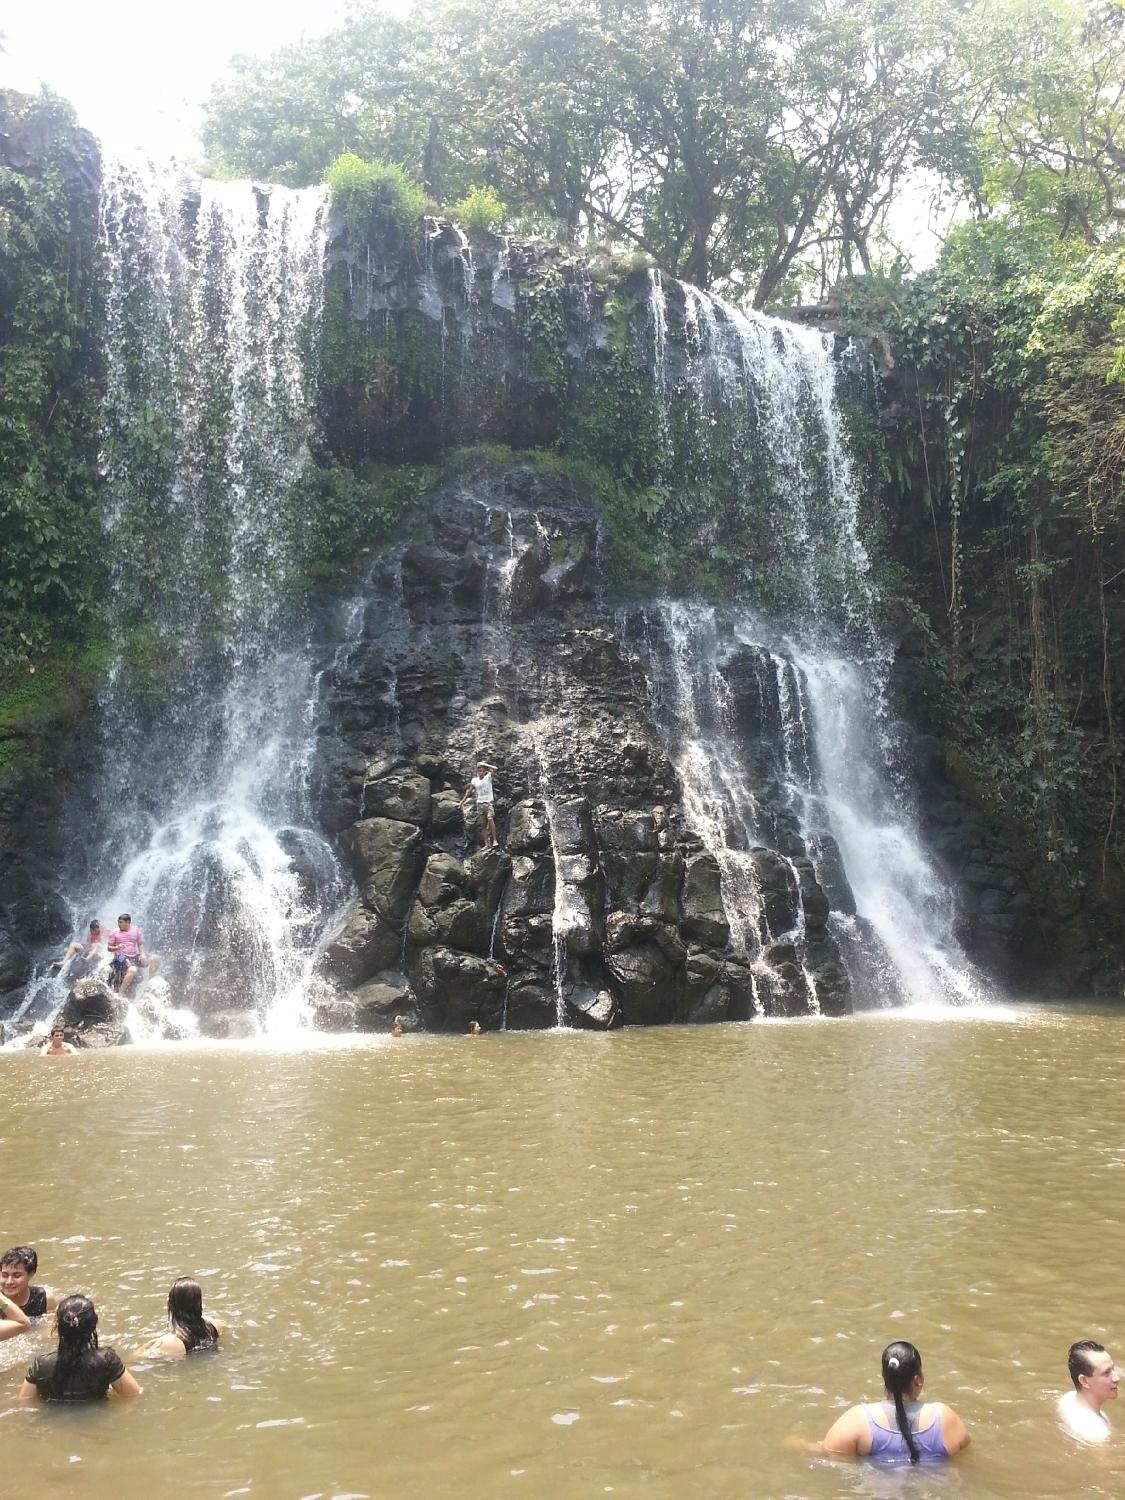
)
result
[(1095, 1382), (88, 951), (19, 1299), (58, 1046), (481, 787)]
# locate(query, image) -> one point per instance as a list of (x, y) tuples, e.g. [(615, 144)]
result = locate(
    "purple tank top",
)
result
[(890, 1447)]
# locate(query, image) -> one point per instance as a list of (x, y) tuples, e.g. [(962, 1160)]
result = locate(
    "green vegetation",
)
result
[(48, 393), (375, 197), (479, 213), (761, 148), (1005, 480)]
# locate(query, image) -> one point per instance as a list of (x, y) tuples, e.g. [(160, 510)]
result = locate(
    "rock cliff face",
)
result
[(492, 635)]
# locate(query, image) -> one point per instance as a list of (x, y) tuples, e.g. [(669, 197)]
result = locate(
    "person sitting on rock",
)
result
[(127, 951), (57, 1045), (481, 787), (86, 951), (17, 1266)]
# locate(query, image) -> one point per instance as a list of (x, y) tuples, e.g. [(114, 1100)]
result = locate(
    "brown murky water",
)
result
[(575, 1265)]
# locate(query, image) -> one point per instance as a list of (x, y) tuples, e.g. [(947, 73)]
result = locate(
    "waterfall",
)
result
[(205, 825)]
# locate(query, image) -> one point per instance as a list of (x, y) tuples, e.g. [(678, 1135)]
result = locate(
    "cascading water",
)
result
[(797, 799), (205, 829)]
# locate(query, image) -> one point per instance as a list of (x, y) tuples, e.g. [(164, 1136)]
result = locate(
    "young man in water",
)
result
[(58, 1046), (481, 787), (1095, 1382), (17, 1267)]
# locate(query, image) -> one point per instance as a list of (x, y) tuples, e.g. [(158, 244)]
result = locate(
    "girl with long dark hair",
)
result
[(190, 1330), (78, 1370), (904, 1428)]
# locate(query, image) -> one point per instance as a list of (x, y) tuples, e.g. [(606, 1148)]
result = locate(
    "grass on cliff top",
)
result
[(57, 692)]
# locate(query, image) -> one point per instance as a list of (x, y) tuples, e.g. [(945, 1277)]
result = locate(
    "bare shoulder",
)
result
[(849, 1433), (954, 1433), (168, 1346)]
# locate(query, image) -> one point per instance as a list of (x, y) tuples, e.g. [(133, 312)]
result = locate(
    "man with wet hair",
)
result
[(19, 1299), (57, 1045), (1095, 1382)]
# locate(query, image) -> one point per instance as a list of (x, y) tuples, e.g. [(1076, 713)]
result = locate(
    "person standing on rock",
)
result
[(481, 787)]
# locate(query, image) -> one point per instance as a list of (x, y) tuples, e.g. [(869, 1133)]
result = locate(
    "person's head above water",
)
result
[(185, 1313), (902, 1377), (1092, 1370), (58, 1031), (124, 919), (95, 926), (17, 1266), (76, 1323)]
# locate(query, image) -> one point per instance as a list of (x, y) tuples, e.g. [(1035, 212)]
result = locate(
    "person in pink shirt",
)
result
[(127, 951)]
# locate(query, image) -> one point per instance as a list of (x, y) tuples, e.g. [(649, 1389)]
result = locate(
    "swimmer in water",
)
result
[(1095, 1382), (17, 1266), (190, 1330), (396, 1029), (58, 1046), (78, 1370), (474, 1028), (902, 1429)]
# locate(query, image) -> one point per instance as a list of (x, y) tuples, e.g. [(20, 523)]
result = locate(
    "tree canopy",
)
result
[(747, 147)]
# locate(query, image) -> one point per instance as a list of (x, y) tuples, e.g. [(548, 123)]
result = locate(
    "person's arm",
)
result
[(14, 1321), (28, 1392), (167, 1346), (465, 798), (844, 1437), (111, 942), (125, 1385), (954, 1433)]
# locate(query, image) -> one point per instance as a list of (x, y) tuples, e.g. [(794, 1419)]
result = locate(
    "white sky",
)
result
[(137, 71)]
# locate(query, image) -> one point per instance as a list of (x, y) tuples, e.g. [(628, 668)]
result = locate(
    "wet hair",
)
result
[(1078, 1358), (124, 917), (58, 1029), (76, 1323), (185, 1313), (21, 1255), (902, 1364), (95, 924)]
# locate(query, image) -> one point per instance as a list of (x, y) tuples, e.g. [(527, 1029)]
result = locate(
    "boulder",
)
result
[(528, 828), (15, 961), (230, 1025), (361, 946), (404, 796), (531, 1004), (446, 817), (91, 1003), (596, 1011), (380, 1000), (456, 988), (388, 855), (704, 917), (644, 983), (777, 889), (336, 1014)]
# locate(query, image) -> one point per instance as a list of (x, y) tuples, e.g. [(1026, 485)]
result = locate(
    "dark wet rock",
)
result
[(361, 947), (337, 1014), (704, 916), (229, 1025), (15, 961), (402, 796), (531, 1004), (379, 1001), (596, 1012), (388, 856), (779, 891), (454, 988), (528, 828), (643, 981), (92, 1002)]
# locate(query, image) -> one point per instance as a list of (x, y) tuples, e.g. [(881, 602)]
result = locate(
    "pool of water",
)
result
[(573, 1265)]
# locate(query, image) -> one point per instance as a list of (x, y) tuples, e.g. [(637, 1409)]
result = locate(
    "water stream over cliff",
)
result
[(702, 805), (200, 822)]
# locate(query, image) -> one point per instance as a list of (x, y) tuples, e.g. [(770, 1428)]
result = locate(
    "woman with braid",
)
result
[(902, 1429)]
